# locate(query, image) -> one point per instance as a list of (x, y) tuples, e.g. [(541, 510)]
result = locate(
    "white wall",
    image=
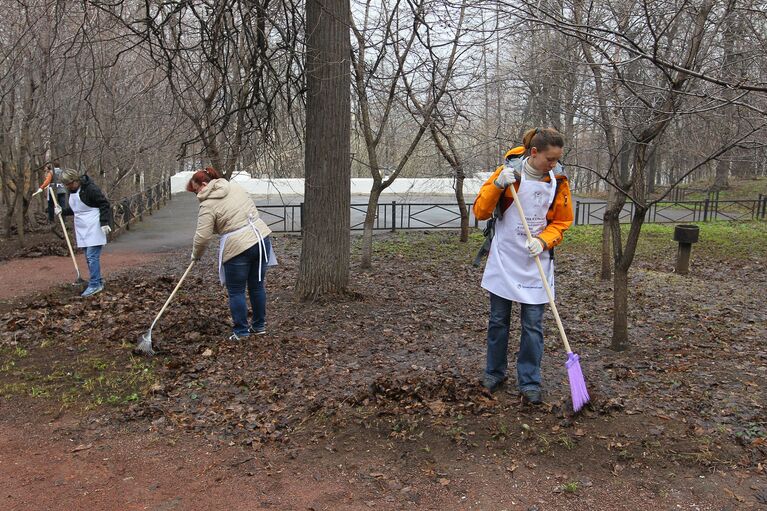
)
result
[(360, 186)]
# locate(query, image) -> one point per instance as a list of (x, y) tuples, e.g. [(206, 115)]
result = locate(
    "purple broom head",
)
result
[(577, 384)]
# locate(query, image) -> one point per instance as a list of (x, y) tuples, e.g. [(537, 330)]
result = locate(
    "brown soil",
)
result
[(371, 401), (22, 277), (59, 463)]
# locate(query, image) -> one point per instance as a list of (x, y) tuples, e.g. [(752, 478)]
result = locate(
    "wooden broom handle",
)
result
[(540, 270)]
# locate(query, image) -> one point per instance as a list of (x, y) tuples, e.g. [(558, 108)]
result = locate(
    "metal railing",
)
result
[(393, 216), (131, 209), (709, 209)]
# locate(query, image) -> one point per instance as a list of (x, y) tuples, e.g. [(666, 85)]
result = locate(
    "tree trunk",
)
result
[(620, 340), (606, 272), (367, 233), (324, 266), (651, 171), (464, 211), (722, 174), (20, 220), (610, 221)]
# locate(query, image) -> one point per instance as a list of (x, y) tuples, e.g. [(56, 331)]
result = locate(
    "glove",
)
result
[(57, 210), (195, 258), (106, 229), (534, 246), (505, 178), (39, 191)]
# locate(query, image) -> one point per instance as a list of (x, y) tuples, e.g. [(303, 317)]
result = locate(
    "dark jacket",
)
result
[(92, 196)]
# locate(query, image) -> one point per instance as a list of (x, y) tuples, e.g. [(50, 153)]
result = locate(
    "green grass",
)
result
[(738, 189), (427, 246), (723, 239), (717, 239), (84, 382), (571, 487)]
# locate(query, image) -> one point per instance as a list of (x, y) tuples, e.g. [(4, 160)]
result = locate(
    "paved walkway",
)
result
[(167, 230)]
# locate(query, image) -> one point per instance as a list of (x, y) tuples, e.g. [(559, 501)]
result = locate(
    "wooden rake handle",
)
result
[(64, 229), (181, 281), (540, 270)]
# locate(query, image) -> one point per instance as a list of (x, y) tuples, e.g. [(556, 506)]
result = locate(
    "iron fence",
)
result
[(706, 210), (131, 209), (393, 216)]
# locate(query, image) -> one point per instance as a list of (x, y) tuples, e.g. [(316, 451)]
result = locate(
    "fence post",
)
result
[(716, 206), (577, 210), (301, 217), (393, 215), (705, 209), (764, 207)]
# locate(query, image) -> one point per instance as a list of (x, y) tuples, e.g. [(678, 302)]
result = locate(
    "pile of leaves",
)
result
[(409, 344)]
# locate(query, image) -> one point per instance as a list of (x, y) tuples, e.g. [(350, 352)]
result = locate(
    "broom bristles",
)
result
[(577, 384)]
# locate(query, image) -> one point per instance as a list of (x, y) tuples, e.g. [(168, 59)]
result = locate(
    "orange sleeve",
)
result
[(47, 180), (560, 217), (488, 197)]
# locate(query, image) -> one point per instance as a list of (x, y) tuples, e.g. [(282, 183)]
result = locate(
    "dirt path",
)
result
[(22, 277), (167, 230), (58, 464)]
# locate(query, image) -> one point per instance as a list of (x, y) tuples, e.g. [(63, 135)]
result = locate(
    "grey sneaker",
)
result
[(532, 396), (491, 384), (90, 291)]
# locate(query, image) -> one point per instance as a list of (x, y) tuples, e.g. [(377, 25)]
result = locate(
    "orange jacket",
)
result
[(559, 216), (47, 180)]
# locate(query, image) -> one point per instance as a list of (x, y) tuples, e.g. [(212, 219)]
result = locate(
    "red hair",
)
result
[(202, 177)]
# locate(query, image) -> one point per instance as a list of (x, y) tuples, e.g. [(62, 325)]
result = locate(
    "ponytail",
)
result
[(542, 139), (202, 177)]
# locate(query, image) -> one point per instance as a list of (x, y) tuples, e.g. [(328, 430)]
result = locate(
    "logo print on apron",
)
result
[(510, 271)]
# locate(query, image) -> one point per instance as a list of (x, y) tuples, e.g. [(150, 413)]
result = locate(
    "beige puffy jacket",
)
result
[(224, 207)]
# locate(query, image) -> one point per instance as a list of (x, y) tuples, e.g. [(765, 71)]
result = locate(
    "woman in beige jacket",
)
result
[(245, 246)]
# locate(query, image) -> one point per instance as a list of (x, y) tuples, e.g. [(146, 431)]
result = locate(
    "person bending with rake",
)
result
[(245, 248)]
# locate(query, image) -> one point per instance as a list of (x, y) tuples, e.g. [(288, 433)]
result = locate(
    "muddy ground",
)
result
[(372, 401)]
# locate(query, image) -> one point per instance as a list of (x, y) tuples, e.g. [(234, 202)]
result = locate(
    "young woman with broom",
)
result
[(511, 274)]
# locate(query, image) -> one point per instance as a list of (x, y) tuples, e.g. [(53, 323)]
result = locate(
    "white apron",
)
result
[(87, 224), (272, 260), (510, 272)]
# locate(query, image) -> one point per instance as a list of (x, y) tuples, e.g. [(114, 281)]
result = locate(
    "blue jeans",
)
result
[(241, 271), (61, 197), (530, 343), (93, 257)]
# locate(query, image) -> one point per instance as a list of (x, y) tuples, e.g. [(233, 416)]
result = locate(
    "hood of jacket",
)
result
[(216, 189), (85, 182)]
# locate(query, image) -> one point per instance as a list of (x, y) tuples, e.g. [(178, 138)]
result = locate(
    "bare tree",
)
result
[(324, 265), (651, 98), (228, 65), (389, 68)]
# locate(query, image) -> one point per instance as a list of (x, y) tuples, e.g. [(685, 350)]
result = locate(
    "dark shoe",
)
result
[(235, 338), (253, 331), (491, 384), (532, 396)]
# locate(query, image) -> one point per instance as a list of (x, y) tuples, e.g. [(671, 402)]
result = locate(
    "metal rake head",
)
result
[(144, 345)]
